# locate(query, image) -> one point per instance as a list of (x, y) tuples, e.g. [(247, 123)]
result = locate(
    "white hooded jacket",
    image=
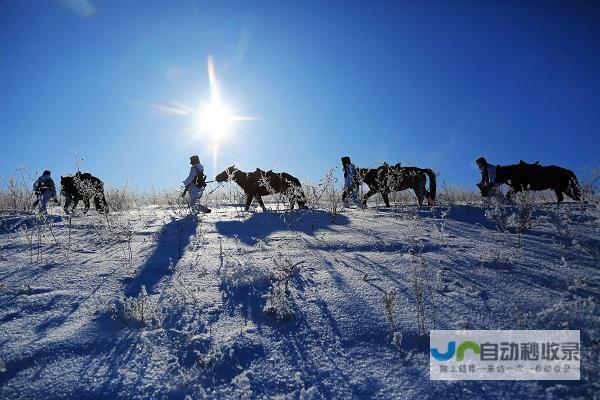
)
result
[(189, 181)]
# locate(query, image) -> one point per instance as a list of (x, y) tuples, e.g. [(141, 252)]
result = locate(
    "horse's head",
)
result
[(226, 174), (66, 180)]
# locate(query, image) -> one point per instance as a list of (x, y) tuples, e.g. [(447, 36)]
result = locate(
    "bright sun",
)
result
[(215, 120)]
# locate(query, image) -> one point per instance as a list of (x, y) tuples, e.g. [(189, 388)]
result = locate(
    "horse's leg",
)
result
[(370, 193), (248, 201), (386, 199), (75, 202), (86, 203), (559, 195), (419, 195), (425, 193), (99, 202), (430, 201), (104, 204), (260, 202), (67, 202), (301, 201)]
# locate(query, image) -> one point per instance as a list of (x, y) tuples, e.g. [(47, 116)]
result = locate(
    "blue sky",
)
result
[(432, 84)]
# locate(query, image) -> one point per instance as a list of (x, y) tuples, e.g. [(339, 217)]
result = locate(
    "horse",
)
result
[(386, 179), (260, 183), (83, 186), (524, 176)]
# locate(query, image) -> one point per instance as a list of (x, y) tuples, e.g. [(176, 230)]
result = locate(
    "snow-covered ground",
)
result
[(218, 322)]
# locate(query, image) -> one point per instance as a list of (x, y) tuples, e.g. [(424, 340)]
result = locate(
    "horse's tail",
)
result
[(573, 188), (432, 186)]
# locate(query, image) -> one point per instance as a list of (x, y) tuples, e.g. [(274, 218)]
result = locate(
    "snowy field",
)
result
[(151, 303)]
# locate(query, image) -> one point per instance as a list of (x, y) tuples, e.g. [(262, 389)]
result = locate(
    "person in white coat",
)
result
[(350, 182), (45, 190), (195, 184)]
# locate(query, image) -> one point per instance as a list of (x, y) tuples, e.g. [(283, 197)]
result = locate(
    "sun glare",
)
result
[(215, 120)]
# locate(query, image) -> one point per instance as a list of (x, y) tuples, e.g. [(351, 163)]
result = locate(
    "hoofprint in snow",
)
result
[(152, 303)]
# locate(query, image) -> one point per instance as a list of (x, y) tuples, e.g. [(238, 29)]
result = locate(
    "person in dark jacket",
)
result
[(45, 191)]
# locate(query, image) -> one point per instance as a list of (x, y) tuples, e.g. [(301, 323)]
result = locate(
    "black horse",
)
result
[(524, 176), (386, 179), (83, 187), (260, 183)]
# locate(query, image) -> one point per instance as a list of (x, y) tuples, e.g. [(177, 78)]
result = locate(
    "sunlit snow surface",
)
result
[(65, 331)]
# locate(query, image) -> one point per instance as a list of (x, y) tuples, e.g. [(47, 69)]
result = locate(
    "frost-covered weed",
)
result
[(315, 194), (389, 302), (123, 232), (241, 382), (26, 290), (279, 304), (463, 324), (420, 284), (138, 310), (496, 209)]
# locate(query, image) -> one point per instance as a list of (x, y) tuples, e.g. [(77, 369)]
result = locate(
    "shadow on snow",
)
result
[(260, 225), (172, 239)]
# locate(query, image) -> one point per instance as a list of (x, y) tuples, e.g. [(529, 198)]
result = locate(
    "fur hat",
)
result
[(346, 160), (46, 172), (194, 160)]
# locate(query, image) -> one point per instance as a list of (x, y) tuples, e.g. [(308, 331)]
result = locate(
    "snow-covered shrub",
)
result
[(498, 257), (16, 194), (453, 195), (313, 194), (332, 196), (324, 195), (138, 310), (561, 219), (496, 210), (521, 220), (117, 198), (590, 185), (241, 274), (279, 304)]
